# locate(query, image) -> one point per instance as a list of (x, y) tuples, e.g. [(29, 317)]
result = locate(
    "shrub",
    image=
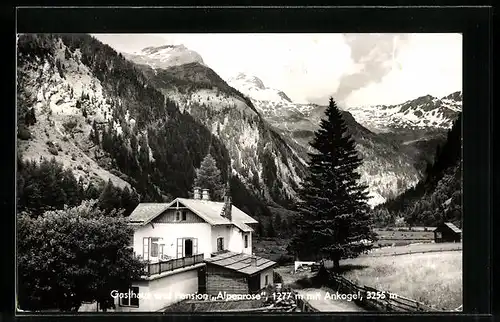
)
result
[(285, 259), (277, 278), (70, 125), (53, 150), (23, 133)]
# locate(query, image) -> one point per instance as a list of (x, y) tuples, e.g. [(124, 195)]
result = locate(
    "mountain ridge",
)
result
[(394, 160), (114, 118)]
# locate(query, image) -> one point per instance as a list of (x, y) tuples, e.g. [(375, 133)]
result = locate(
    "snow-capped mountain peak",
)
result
[(423, 112), (249, 80), (165, 56), (254, 87)]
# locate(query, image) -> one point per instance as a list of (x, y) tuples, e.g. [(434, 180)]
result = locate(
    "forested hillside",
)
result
[(438, 196), (81, 93)]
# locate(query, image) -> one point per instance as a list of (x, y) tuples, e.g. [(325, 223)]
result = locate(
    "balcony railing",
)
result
[(172, 264)]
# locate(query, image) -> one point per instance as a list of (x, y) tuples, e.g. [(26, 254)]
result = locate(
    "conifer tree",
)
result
[(333, 212), (271, 232), (208, 176), (129, 200), (110, 197)]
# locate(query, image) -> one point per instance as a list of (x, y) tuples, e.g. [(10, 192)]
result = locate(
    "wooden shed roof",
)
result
[(240, 262), (452, 227)]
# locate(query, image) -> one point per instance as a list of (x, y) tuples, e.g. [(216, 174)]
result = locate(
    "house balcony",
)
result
[(163, 266), (219, 252)]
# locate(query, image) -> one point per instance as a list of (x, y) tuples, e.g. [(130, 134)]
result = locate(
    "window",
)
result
[(145, 248), (246, 241), (184, 215), (130, 297), (177, 216), (154, 247), (267, 280), (439, 235), (220, 244)]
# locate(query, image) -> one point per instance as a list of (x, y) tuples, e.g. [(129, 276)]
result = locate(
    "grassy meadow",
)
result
[(433, 278), (404, 262)]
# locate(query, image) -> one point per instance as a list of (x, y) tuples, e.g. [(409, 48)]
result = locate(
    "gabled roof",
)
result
[(145, 212), (452, 227), (240, 262), (210, 211)]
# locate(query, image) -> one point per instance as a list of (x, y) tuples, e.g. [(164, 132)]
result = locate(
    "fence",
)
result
[(170, 265), (303, 305), (379, 300), (300, 302)]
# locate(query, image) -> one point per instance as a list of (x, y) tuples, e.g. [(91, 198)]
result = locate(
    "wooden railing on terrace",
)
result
[(172, 264)]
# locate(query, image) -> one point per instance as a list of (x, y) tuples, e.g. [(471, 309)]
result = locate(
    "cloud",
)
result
[(357, 69), (130, 43), (301, 65), (374, 55), (424, 64)]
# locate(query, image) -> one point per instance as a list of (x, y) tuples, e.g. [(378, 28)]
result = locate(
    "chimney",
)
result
[(253, 260), (205, 195), (197, 195)]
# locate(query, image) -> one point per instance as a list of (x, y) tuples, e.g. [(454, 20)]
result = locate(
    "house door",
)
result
[(202, 280), (254, 283), (188, 247)]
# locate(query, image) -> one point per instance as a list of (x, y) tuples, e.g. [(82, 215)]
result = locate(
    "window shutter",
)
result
[(145, 248), (195, 246), (180, 246)]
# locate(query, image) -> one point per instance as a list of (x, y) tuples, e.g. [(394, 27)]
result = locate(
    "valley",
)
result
[(259, 132)]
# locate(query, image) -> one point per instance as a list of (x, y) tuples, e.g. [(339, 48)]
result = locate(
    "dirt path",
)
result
[(318, 298)]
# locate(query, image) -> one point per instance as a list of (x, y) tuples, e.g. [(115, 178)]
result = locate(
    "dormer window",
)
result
[(220, 244), (181, 215)]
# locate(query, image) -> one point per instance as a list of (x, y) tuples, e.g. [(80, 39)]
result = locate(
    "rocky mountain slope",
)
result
[(105, 117), (421, 113), (438, 195), (85, 105), (261, 158), (395, 148)]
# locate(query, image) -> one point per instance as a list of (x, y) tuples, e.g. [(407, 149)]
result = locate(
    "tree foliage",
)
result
[(334, 216), (208, 176), (46, 185), (438, 196), (159, 152), (69, 256)]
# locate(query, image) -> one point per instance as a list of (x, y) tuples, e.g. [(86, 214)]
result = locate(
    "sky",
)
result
[(355, 69)]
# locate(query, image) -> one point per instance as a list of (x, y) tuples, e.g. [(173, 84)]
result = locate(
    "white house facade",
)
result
[(175, 238)]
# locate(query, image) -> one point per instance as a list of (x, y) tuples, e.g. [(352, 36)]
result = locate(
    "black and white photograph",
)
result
[(239, 172)]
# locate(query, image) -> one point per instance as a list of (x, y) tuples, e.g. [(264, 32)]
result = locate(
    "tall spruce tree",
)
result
[(208, 176), (333, 212)]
